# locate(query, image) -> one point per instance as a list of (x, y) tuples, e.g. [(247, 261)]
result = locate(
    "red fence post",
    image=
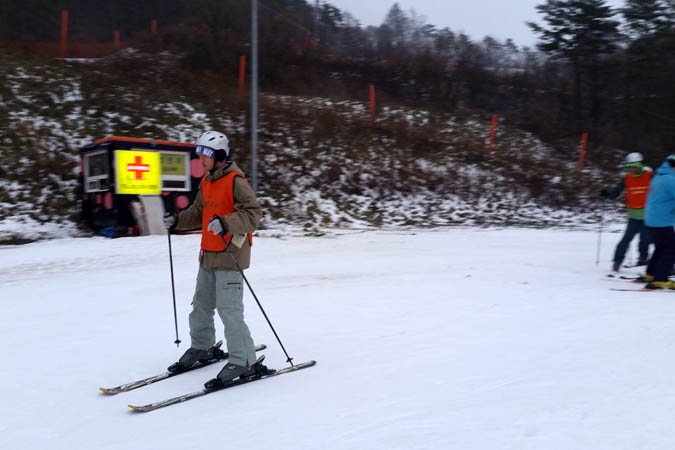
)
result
[(63, 50), (242, 75), (582, 152), (153, 26), (372, 104), (116, 38), (493, 132)]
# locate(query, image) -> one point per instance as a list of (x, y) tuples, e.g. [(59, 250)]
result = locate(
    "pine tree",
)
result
[(644, 18), (580, 32), (648, 73)]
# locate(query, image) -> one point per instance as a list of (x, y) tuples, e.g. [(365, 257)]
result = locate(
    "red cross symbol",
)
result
[(138, 167)]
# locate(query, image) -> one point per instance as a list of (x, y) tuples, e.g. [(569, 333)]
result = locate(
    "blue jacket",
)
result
[(660, 209)]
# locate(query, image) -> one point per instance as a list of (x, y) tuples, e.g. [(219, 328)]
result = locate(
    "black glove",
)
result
[(217, 226), (170, 220), (604, 193)]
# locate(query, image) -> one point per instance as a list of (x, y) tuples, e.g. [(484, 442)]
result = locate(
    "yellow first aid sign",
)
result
[(137, 172)]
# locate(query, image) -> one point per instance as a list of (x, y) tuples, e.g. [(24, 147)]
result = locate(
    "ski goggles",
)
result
[(206, 151)]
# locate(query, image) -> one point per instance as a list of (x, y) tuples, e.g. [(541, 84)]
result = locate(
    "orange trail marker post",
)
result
[(582, 151), (493, 132), (153, 26), (63, 49), (116, 38), (372, 104)]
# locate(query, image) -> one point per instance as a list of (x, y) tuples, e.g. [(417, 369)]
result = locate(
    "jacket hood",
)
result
[(665, 169)]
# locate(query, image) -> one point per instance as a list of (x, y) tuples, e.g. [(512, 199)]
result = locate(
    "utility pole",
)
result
[(316, 19), (254, 95)]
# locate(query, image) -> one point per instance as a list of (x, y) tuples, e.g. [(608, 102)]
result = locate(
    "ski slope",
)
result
[(446, 339)]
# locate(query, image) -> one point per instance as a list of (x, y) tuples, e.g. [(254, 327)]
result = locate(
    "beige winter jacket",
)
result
[(245, 219)]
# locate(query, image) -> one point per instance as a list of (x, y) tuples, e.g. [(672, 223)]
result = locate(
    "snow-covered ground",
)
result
[(447, 339)]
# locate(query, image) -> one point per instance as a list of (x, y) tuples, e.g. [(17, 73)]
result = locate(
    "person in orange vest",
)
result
[(225, 206), (636, 183)]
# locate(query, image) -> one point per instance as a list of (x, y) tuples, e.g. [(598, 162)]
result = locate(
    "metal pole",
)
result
[(316, 20), (600, 229), (254, 95)]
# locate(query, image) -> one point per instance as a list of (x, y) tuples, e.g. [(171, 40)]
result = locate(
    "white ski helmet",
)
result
[(214, 145), (633, 158)]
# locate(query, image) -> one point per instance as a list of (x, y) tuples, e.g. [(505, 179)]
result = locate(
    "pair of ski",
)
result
[(635, 280), (642, 290), (214, 385), (614, 276)]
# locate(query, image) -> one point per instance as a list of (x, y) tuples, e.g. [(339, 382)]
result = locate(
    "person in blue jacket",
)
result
[(660, 218)]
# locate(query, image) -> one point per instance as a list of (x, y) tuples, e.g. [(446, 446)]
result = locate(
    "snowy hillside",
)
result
[(438, 339), (321, 163)]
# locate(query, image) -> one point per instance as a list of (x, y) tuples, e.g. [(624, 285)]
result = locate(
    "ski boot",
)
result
[(194, 356), (646, 278), (232, 372), (653, 285)]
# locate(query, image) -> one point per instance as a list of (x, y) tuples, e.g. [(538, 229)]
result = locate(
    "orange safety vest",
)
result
[(637, 189), (218, 199)]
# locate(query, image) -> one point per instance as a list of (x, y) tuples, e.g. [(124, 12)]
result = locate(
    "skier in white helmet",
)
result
[(636, 184), (225, 207)]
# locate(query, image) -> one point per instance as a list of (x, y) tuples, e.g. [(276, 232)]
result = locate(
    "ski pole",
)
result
[(597, 255), (236, 263), (173, 290)]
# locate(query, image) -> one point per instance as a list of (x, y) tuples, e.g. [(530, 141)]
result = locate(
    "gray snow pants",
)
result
[(223, 291)]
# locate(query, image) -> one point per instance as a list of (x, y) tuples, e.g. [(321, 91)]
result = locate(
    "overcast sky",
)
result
[(501, 19)]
